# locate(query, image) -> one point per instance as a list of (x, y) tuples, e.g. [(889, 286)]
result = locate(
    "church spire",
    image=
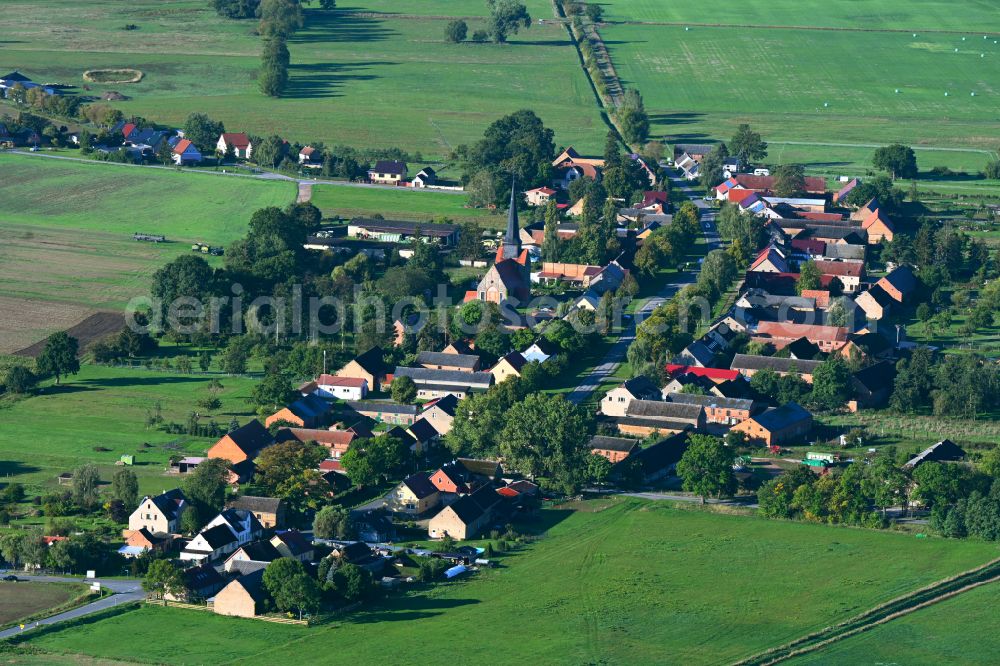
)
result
[(512, 239)]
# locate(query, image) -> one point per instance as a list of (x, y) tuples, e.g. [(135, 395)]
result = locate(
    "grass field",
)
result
[(66, 245), (22, 600), (399, 203), (360, 75), (700, 82), (59, 429), (950, 632), (635, 583)]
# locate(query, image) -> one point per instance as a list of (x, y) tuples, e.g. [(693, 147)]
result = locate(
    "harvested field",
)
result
[(26, 321), (88, 331)]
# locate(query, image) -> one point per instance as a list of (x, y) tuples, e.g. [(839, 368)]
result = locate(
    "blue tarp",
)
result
[(455, 571)]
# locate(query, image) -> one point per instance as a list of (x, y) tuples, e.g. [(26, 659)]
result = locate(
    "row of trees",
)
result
[(962, 385), (506, 18)]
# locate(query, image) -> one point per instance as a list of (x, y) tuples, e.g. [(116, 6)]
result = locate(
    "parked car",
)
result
[(10, 578)]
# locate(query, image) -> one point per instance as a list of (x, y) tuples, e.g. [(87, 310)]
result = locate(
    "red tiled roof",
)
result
[(819, 217), (739, 195), (543, 190), (822, 296), (841, 268), (793, 331), (674, 370), (330, 466), (507, 492), (127, 129), (764, 183), (333, 380), (809, 245), (333, 439), (236, 139), (181, 146)]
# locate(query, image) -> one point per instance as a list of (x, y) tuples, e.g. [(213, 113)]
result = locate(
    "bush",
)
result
[(456, 31), (480, 36)]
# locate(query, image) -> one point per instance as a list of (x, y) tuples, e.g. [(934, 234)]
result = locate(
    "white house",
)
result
[(309, 158), (238, 141), (159, 515), (333, 387), (540, 350), (426, 176), (224, 534), (183, 152)]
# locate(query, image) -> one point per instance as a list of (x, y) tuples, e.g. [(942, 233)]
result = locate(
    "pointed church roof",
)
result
[(512, 238)]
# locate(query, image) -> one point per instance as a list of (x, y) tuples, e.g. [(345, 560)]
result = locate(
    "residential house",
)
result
[(780, 334), (841, 194), (387, 172), (879, 227), (614, 449), (159, 515), (398, 231), (944, 451), (386, 411), (336, 441), (541, 350), (723, 411), (310, 158), (875, 303), (261, 552), (803, 349), (269, 511), (184, 152), (689, 165), (423, 435), (539, 196), (200, 582), (899, 283), (748, 365), (222, 535), (339, 387), (142, 541), (617, 400), (508, 366), (460, 347), (789, 423), (369, 366), (236, 142), (770, 260), (292, 543), (714, 375), (645, 417), (244, 443), (850, 273), (464, 475), (306, 412), (439, 383), (242, 597), (868, 346), (697, 354), (467, 517), (425, 178), (415, 495), (443, 361), (440, 413)]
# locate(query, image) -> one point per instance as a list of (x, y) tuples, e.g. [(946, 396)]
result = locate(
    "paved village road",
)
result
[(125, 590), (616, 354)]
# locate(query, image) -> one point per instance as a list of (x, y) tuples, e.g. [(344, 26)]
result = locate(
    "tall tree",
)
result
[(203, 132), (506, 18), (86, 482), (789, 180), (747, 144), (706, 468), (125, 486), (899, 160), (205, 487), (291, 587), (550, 242), (633, 118), (809, 277), (59, 356)]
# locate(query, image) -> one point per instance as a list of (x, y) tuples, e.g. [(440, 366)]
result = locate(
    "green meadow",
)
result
[(360, 75), (906, 15), (616, 581), (956, 631), (100, 414), (399, 203)]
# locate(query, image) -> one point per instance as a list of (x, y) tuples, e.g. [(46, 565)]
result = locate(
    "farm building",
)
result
[(395, 231)]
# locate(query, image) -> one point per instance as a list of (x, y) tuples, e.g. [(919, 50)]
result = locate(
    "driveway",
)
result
[(124, 590), (609, 364)]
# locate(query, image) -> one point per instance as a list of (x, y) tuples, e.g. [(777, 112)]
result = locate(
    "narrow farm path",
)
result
[(891, 610)]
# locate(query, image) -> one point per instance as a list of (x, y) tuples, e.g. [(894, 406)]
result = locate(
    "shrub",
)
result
[(480, 36)]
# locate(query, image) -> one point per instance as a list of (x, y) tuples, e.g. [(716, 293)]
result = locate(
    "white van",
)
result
[(762, 172)]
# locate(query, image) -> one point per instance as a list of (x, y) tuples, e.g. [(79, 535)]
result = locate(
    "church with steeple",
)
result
[(509, 279)]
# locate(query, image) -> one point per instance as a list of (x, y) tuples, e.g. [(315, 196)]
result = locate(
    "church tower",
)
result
[(512, 239)]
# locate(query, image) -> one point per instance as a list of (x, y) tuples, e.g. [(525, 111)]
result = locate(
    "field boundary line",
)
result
[(873, 617), (752, 26)]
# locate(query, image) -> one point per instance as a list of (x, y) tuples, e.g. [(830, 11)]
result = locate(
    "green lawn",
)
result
[(51, 433), (956, 631), (698, 83), (636, 583), (399, 203), (359, 75)]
